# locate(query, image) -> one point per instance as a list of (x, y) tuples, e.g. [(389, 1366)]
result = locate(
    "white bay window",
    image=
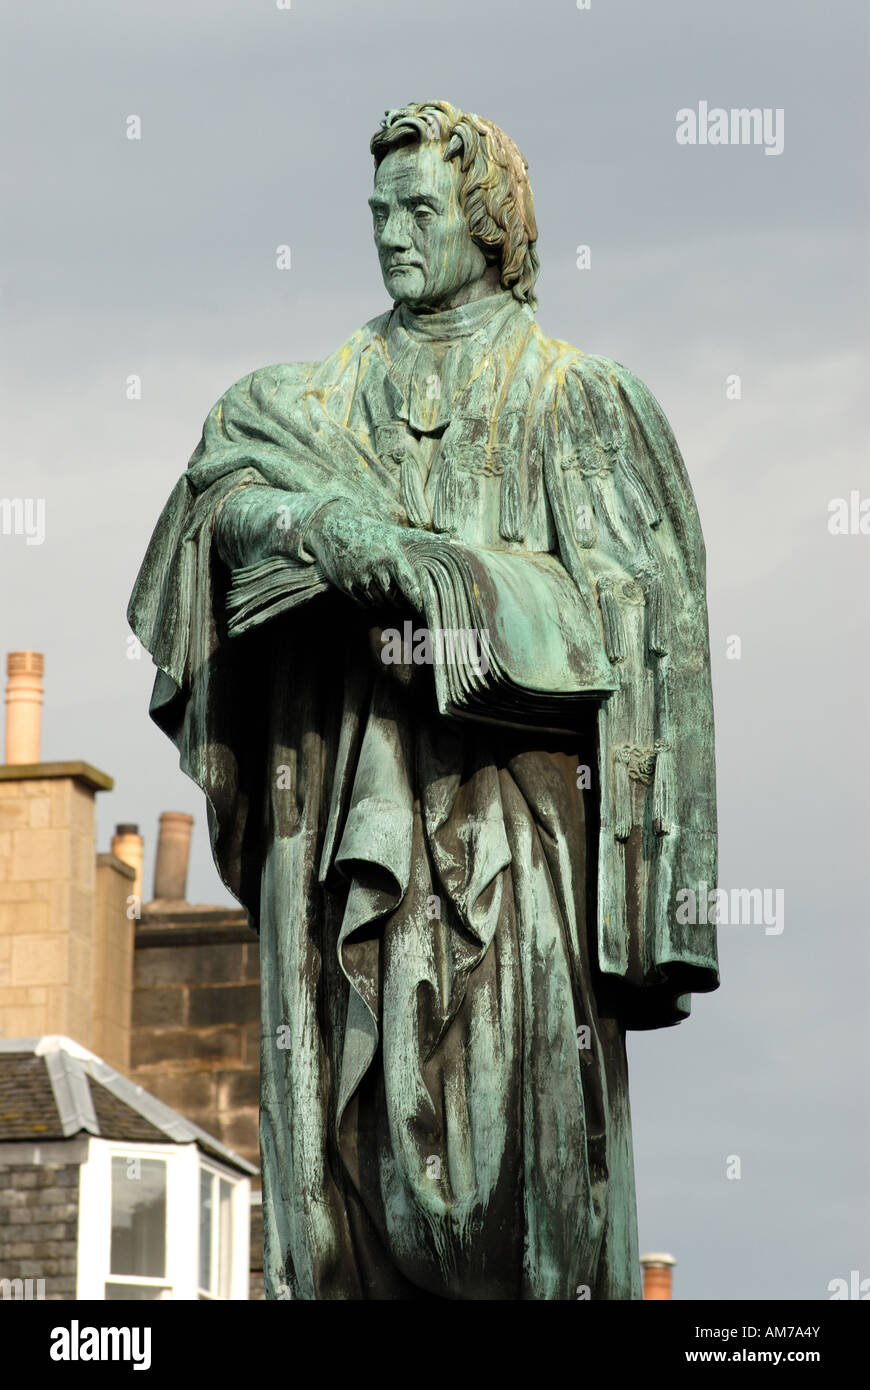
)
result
[(161, 1221)]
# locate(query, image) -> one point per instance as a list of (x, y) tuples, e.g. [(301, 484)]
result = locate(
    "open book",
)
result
[(508, 635)]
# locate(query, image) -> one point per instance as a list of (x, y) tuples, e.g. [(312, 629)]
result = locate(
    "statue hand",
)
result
[(362, 556)]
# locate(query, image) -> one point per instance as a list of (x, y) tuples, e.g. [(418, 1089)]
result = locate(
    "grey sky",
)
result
[(157, 257)]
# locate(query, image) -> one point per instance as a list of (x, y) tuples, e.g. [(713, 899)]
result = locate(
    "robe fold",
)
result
[(458, 922)]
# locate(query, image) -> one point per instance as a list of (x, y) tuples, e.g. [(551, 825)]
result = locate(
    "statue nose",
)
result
[(396, 232)]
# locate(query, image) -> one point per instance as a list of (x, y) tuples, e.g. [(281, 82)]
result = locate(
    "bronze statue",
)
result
[(430, 624)]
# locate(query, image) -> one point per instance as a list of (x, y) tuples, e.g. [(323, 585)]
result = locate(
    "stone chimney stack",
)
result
[(23, 706), (657, 1275), (128, 845), (66, 932), (173, 855)]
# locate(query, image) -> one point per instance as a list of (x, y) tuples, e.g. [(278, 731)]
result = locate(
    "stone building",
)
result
[(195, 1033), (106, 1193), (165, 993)]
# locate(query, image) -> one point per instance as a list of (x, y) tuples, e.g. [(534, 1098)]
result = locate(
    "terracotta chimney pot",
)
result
[(128, 845), (173, 855), (657, 1276)]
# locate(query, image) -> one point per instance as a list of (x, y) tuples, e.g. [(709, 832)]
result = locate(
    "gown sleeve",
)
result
[(247, 515), (628, 531)]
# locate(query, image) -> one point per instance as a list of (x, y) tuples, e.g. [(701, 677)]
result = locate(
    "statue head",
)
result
[(453, 213)]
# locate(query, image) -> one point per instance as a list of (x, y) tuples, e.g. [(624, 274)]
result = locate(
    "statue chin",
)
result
[(406, 286)]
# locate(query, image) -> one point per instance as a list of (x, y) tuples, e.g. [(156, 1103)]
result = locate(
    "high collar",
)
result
[(432, 358), (445, 325)]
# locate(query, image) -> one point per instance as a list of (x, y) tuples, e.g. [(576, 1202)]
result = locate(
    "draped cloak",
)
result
[(458, 921)]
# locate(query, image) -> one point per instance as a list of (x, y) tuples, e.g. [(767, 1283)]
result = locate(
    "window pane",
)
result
[(139, 1217), (205, 1214), (114, 1292), (225, 1286)]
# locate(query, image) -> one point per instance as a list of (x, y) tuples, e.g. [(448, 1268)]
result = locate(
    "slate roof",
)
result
[(51, 1088), (27, 1108)]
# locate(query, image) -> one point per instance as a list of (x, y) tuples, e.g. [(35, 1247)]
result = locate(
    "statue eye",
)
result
[(423, 214)]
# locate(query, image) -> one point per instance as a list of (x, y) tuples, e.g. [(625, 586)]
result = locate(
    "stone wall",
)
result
[(195, 1040), (47, 899), (113, 963), (196, 1019), (39, 1208)]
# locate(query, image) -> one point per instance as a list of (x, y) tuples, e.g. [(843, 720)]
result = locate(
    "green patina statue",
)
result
[(430, 627)]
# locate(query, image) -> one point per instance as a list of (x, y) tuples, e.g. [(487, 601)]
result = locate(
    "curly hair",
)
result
[(494, 191)]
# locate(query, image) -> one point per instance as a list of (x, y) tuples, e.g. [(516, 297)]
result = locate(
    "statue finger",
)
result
[(384, 580), (407, 581), (366, 588)]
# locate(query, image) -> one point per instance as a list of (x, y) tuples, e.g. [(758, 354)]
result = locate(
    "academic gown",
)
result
[(458, 921)]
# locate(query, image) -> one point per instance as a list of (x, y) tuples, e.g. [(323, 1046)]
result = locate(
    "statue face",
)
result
[(428, 258)]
